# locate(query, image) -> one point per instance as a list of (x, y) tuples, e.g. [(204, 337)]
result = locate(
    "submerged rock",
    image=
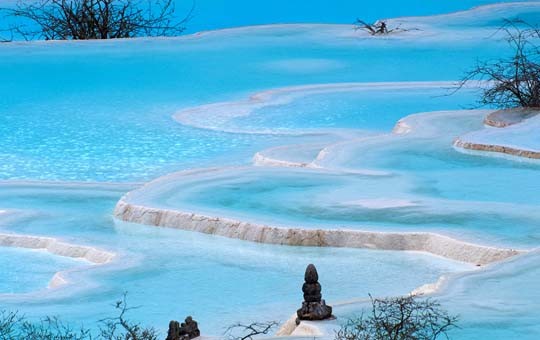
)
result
[(188, 330), (313, 307)]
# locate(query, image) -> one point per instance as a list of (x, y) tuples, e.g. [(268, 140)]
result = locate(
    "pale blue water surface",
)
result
[(171, 273), (96, 118), (26, 271)]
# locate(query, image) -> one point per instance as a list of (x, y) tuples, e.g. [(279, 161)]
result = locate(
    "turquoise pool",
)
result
[(84, 123)]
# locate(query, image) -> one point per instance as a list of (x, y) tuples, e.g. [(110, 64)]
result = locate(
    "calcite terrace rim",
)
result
[(479, 10), (227, 110), (494, 148), (497, 120), (500, 119), (428, 242), (92, 255)]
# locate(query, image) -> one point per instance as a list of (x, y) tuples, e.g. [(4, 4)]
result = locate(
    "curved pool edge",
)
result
[(56, 247), (494, 148), (435, 244), (224, 111)]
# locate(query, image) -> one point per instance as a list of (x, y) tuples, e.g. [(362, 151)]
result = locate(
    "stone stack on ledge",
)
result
[(313, 307)]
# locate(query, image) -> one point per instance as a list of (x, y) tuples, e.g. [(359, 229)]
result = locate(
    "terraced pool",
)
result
[(305, 128)]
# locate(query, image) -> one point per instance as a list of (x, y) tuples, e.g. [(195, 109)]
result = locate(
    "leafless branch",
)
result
[(513, 81), (399, 318), (241, 331), (379, 27), (120, 328)]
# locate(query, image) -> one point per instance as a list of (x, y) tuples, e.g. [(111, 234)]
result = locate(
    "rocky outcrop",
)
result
[(189, 329), (313, 306), (428, 242)]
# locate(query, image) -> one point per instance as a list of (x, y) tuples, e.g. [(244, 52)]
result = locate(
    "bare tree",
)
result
[(8, 324), (14, 326), (247, 332), (401, 318), (513, 81), (96, 19), (379, 27), (121, 328), (4, 38), (6, 34)]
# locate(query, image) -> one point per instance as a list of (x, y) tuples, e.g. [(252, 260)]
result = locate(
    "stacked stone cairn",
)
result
[(313, 307), (185, 331)]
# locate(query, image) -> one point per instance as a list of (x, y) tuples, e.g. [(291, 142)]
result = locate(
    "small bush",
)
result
[(379, 27), (401, 318), (512, 81), (96, 19), (14, 326), (241, 331)]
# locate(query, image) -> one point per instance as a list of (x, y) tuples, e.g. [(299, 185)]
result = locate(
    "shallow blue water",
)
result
[(171, 273), (102, 111), (116, 125), (214, 14), (490, 304), (374, 110), (26, 271)]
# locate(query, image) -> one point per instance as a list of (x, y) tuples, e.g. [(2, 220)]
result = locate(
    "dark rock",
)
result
[(174, 331), (188, 330), (313, 307), (311, 275), (312, 292)]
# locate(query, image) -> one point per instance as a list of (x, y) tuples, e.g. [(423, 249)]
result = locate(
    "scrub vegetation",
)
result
[(400, 318), (379, 27), (242, 331), (14, 326), (512, 81), (94, 19)]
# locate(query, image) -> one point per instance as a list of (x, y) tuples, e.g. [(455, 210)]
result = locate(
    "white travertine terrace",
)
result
[(505, 118), (512, 151), (510, 132), (131, 209), (57, 280), (216, 116), (53, 246), (422, 241), (56, 247), (261, 160)]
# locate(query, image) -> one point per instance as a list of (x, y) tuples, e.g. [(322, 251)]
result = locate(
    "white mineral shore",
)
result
[(382, 203), (57, 281), (413, 241), (512, 151), (304, 329), (510, 132), (56, 247), (505, 118), (261, 160), (53, 246)]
